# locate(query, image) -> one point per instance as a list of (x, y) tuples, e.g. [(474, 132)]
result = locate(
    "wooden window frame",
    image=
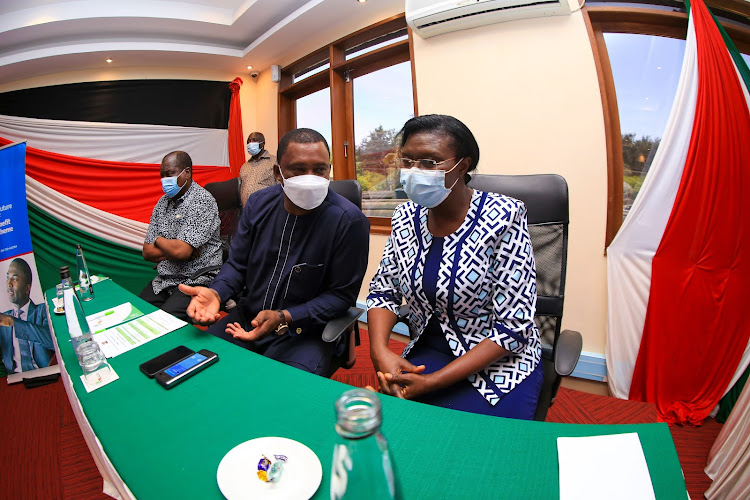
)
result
[(339, 79), (645, 21)]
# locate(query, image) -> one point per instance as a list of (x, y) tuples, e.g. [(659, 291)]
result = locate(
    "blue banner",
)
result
[(15, 238), (25, 340)]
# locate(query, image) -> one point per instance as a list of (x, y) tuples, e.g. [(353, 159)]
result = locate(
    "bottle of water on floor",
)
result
[(86, 288), (78, 327), (361, 461)]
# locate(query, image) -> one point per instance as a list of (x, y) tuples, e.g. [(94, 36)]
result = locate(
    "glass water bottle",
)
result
[(361, 461), (78, 327)]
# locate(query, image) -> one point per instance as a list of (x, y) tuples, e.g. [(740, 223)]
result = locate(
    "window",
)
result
[(314, 111), (359, 91), (646, 70), (639, 52), (383, 101)]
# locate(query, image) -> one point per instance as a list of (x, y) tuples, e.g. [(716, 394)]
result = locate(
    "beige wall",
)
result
[(264, 108), (529, 92)]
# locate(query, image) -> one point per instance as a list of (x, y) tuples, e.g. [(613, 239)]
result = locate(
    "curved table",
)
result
[(153, 443)]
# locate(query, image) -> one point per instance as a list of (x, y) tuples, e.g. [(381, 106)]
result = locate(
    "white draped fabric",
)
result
[(120, 142), (729, 458), (109, 227)]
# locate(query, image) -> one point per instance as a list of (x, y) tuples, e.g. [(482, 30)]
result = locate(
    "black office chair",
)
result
[(546, 199), (227, 196), (347, 324)]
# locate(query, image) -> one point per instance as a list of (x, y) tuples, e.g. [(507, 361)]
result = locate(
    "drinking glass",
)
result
[(93, 363), (59, 303)]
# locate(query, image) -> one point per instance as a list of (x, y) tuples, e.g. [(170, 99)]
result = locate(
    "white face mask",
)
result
[(426, 187), (305, 191)]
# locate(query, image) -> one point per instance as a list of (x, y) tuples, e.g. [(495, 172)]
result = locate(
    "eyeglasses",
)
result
[(424, 164)]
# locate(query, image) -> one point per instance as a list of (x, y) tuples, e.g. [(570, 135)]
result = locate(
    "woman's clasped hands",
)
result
[(397, 377)]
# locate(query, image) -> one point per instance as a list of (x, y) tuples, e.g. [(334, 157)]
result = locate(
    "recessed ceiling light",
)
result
[(109, 60), (361, 1), (658, 67), (250, 67)]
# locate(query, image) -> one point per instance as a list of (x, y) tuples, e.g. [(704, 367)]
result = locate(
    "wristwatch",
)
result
[(283, 326)]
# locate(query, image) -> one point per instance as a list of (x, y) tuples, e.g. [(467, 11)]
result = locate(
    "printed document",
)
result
[(122, 338)]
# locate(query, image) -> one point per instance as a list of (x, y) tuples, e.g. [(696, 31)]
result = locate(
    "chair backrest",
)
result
[(226, 193), (546, 200), (352, 191), (349, 189), (227, 196)]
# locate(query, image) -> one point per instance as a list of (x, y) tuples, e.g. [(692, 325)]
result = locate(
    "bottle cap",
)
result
[(64, 272), (78, 246)]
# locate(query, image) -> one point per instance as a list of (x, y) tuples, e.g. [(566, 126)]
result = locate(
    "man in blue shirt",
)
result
[(300, 251)]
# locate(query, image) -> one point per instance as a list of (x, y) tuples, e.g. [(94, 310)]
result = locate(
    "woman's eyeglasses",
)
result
[(424, 164)]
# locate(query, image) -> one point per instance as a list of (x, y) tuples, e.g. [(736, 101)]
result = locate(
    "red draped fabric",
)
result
[(235, 137), (696, 328), (126, 189)]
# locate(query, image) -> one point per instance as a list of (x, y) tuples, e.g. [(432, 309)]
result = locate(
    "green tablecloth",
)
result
[(168, 444)]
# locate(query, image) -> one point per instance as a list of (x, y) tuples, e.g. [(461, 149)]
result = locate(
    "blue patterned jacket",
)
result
[(486, 285)]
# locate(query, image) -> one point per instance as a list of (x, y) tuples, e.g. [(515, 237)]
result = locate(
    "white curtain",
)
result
[(118, 141), (729, 458)]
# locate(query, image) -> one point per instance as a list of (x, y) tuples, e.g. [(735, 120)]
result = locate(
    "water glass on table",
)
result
[(59, 302), (93, 363)]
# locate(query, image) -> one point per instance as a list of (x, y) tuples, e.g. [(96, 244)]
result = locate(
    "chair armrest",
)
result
[(403, 314), (567, 352), (337, 326), (204, 270)]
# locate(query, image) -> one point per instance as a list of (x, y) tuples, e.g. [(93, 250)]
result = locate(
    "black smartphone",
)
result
[(185, 368), (150, 367)]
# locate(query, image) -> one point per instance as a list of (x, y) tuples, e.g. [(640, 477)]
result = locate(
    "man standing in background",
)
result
[(257, 172)]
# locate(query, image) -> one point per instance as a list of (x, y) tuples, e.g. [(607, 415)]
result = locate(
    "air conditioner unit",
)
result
[(434, 17)]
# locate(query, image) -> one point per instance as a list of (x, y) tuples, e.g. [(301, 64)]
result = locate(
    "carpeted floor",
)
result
[(43, 454)]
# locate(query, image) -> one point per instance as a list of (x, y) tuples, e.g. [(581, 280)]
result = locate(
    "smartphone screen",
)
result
[(185, 364)]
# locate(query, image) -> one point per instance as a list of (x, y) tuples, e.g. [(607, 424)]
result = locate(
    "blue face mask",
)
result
[(426, 187), (253, 148), (169, 185)]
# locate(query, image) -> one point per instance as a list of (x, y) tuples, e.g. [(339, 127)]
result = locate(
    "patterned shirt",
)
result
[(486, 285), (194, 219), (256, 175)]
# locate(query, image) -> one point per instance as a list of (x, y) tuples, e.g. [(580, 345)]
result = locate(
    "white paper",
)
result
[(100, 321), (132, 334), (99, 378), (611, 467)]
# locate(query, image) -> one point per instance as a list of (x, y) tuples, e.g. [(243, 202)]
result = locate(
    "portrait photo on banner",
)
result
[(25, 338)]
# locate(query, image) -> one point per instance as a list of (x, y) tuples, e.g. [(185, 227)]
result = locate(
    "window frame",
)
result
[(339, 78), (643, 21)]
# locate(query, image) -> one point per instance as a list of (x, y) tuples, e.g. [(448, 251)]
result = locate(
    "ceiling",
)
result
[(39, 37)]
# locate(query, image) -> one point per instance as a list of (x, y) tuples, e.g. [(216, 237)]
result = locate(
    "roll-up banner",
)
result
[(25, 339)]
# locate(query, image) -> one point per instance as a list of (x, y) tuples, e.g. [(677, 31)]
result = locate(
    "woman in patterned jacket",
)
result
[(462, 260)]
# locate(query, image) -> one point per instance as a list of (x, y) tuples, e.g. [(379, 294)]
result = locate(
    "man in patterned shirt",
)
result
[(182, 238), (257, 172)]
